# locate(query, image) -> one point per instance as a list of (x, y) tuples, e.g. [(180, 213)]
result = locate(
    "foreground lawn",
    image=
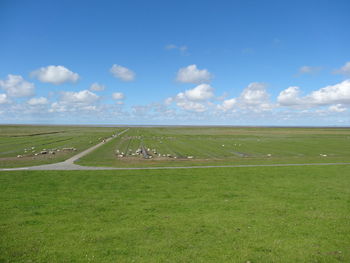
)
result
[(271, 214)]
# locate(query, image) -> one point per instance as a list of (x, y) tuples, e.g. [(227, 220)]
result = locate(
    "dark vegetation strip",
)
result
[(35, 134)]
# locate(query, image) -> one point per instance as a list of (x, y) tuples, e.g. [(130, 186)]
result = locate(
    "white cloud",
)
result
[(55, 75), (309, 70), (97, 87), (84, 96), (334, 94), (38, 101), (337, 108), (196, 99), (16, 86), (199, 93), (76, 101), (227, 104), (192, 106), (253, 98), (344, 70), (339, 93), (254, 94), (4, 99), (168, 101), (289, 97), (191, 74), (122, 73), (118, 96)]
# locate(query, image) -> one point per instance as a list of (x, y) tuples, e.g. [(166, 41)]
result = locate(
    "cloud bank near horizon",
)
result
[(198, 103)]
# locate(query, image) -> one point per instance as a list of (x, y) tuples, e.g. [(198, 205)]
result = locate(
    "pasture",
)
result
[(28, 145), (255, 214), (187, 146), (265, 214)]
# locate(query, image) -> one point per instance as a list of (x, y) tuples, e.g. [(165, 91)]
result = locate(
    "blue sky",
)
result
[(175, 62)]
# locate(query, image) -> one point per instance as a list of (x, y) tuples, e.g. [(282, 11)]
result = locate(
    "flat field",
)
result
[(261, 214), (27, 142), (188, 146)]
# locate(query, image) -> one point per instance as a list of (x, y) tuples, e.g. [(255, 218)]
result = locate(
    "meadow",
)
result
[(187, 146), (255, 214), (22, 145), (265, 214)]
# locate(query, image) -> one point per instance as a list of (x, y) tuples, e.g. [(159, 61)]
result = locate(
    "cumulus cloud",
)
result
[(168, 101), (4, 99), (122, 73), (84, 97), (97, 87), (333, 94), (38, 101), (253, 98), (75, 101), (254, 94), (199, 93), (337, 108), (227, 104), (55, 75), (196, 99), (344, 70), (339, 93), (118, 96), (16, 86), (289, 97), (191, 74), (308, 70), (192, 106)]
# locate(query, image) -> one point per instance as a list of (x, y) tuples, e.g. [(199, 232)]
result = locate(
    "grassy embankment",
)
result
[(271, 214)]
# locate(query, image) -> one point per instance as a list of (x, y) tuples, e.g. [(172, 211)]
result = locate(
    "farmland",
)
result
[(24, 145), (184, 146), (251, 214)]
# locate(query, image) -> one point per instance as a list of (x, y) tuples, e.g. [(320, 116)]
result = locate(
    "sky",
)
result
[(276, 63)]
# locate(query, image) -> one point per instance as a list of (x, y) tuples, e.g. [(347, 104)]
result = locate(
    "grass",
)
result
[(224, 146), (270, 214), (15, 139)]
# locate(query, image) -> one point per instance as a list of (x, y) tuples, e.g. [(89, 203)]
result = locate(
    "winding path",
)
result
[(70, 165)]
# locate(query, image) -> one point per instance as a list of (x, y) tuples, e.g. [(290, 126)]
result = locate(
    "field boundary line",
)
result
[(60, 167)]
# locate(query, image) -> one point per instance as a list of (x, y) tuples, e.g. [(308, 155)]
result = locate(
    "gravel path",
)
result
[(70, 165)]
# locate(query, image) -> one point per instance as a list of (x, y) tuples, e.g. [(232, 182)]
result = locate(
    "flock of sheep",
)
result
[(32, 151)]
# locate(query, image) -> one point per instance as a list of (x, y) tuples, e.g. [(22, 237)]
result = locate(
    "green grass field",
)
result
[(224, 145), (174, 146), (260, 214), (27, 141), (270, 214)]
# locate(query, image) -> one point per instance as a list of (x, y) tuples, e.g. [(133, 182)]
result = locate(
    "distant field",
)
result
[(265, 214), (181, 146), (173, 146), (22, 145)]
